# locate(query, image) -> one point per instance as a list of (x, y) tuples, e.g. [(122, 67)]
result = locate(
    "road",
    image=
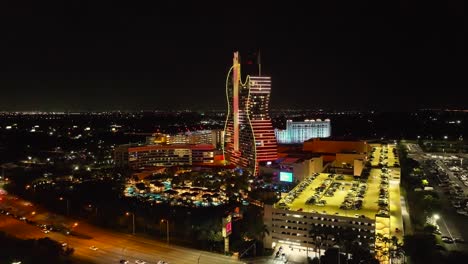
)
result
[(452, 224), (112, 246)]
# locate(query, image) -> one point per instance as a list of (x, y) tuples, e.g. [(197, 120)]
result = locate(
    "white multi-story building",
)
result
[(298, 132)]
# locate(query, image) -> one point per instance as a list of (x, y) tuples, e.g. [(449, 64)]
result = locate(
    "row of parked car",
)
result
[(297, 190), (319, 191), (383, 194), (451, 188), (355, 197)]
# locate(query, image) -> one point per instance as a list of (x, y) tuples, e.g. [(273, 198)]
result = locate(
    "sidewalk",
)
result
[(408, 227)]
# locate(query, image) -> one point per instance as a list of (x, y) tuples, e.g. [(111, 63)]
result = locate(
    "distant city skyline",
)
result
[(174, 56)]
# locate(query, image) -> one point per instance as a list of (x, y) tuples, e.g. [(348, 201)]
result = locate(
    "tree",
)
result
[(345, 239), (383, 250), (428, 228), (321, 234), (140, 186), (396, 249), (361, 255), (420, 247), (210, 231), (253, 226), (430, 203)]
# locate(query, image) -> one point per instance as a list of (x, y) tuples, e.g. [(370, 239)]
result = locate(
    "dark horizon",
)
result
[(107, 56)]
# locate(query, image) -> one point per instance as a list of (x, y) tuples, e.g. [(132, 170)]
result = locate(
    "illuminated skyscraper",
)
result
[(249, 134)]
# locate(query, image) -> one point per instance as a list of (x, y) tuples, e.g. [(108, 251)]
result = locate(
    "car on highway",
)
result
[(140, 261), (45, 231), (447, 239), (93, 248), (123, 261)]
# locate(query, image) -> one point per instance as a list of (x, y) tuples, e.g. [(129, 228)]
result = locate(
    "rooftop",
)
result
[(172, 146), (336, 138), (321, 187), (344, 195)]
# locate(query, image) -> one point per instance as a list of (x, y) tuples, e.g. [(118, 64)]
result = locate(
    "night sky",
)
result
[(112, 55)]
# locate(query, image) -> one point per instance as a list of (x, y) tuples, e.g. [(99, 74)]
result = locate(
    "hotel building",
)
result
[(249, 134), (211, 137), (298, 132), (137, 157)]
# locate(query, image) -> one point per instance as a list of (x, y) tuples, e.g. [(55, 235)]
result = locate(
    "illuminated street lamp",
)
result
[(95, 208), (68, 205), (445, 143), (133, 220), (33, 213), (167, 229), (436, 216)]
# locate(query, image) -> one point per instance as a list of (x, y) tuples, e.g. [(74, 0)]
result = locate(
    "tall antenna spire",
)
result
[(259, 64)]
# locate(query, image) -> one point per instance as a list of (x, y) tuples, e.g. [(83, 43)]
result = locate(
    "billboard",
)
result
[(286, 176), (227, 226)]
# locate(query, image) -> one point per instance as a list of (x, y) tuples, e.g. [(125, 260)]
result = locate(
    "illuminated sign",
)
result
[(227, 226), (286, 176)]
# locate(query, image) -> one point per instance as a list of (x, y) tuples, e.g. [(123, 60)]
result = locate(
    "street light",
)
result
[(95, 208), (445, 143), (133, 220), (436, 216), (167, 229), (68, 205)]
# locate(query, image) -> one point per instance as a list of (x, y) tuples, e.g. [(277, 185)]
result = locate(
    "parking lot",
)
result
[(446, 172), (336, 194)]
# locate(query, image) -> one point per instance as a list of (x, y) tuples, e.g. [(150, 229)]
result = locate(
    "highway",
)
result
[(111, 246)]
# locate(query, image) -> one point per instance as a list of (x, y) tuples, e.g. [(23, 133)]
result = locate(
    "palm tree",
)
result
[(314, 234), (384, 253), (344, 239), (321, 234), (396, 249)]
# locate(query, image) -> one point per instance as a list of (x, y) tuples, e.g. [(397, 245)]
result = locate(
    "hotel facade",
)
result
[(298, 132), (249, 134)]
